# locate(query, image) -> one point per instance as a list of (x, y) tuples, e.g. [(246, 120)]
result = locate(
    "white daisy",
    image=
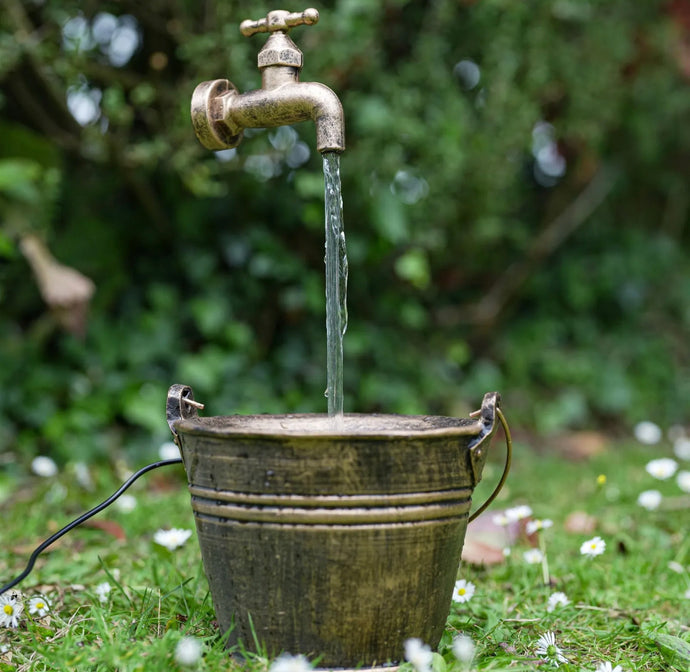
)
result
[(464, 649), (44, 466), (686, 595), (533, 526), (556, 600), (39, 606), (188, 651), (172, 538), (103, 591), (681, 448), (288, 663), (683, 480), (419, 654), (592, 547), (11, 609), (549, 650), (649, 499), (606, 667), (518, 512), (662, 468), (533, 556), (647, 432), (463, 591)]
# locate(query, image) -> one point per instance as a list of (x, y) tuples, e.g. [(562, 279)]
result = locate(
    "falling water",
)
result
[(336, 283)]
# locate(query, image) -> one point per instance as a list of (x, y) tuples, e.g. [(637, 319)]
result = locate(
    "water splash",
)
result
[(336, 283)]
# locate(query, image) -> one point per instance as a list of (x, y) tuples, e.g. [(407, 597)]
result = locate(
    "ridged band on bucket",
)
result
[(330, 509)]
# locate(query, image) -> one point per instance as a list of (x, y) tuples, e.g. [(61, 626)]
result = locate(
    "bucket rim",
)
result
[(319, 426)]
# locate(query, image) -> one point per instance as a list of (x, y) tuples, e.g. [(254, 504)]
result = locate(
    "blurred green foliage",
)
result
[(516, 210)]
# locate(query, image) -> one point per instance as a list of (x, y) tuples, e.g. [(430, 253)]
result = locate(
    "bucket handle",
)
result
[(506, 468)]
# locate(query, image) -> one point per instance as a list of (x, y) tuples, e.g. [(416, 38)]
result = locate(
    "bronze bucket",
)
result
[(337, 542)]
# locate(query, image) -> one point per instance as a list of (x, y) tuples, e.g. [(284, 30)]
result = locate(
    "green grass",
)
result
[(622, 603)]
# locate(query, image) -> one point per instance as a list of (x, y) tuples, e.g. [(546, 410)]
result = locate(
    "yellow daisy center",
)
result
[(461, 591), (593, 547), (40, 605), (8, 609)]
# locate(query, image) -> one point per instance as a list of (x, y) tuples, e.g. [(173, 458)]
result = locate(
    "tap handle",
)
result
[(279, 19)]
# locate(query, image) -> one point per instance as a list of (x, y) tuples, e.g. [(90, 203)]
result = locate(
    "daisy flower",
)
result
[(649, 499), (500, 519), (288, 663), (518, 512), (463, 649), (39, 606), (662, 468), (683, 480), (533, 556), (188, 651), (419, 654), (606, 667), (11, 609), (533, 526), (593, 546), (556, 600), (126, 503), (172, 538), (103, 591), (463, 591), (647, 432), (549, 650)]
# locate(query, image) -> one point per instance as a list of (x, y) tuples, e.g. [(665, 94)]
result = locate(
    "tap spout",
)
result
[(285, 104), (220, 113)]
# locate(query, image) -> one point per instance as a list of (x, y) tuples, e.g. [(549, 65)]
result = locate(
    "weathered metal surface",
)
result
[(332, 542)]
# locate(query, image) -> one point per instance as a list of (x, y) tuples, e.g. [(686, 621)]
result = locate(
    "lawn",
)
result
[(118, 600)]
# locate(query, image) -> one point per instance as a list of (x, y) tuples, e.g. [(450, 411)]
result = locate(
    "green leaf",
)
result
[(676, 651)]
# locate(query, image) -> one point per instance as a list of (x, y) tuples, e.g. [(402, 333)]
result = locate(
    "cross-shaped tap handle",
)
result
[(279, 19)]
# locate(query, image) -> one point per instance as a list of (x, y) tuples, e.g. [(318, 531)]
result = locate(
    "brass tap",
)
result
[(220, 113)]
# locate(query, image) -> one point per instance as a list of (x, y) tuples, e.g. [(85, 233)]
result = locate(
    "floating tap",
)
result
[(220, 113)]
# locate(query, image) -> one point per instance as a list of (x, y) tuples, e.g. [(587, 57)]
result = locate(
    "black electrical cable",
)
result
[(84, 517)]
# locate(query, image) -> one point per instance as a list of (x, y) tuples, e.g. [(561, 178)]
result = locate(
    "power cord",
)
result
[(84, 517)]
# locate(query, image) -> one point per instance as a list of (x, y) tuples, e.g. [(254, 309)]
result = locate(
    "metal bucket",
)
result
[(338, 542)]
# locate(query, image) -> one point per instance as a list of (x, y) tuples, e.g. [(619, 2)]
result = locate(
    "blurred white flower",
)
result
[(593, 547), (172, 538), (83, 475), (533, 526), (518, 512), (419, 654), (647, 432), (500, 519), (169, 451), (463, 591), (126, 503), (681, 448), (683, 480), (556, 600), (288, 663), (44, 466), (676, 567), (662, 468), (533, 557), (649, 499), (103, 591), (687, 594), (188, 651), (463, 648)]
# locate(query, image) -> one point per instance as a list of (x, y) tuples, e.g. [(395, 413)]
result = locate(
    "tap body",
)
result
[(220, 113)]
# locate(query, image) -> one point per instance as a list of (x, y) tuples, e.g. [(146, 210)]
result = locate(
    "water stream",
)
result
[(336, 284)]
